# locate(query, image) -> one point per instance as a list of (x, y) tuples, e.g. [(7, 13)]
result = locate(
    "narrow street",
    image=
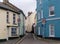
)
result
[(30, 39), (29, 21)]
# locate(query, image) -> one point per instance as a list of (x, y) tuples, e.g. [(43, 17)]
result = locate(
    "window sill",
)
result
[(51, 15), (51, 36)]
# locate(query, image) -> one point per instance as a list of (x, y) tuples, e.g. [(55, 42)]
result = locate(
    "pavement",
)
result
[(49, 41), (11, 41)]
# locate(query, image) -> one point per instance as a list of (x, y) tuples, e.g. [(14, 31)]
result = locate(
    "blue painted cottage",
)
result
[(22, 24), (48, 18)]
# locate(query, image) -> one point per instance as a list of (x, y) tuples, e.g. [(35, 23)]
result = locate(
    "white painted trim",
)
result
[(51, 36), (53, 18), (38, 21), (41, 13), (50, 19), (51, 15), (38, 15)]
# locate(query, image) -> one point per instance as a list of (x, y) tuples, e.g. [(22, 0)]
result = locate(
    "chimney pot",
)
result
[(5, 1)]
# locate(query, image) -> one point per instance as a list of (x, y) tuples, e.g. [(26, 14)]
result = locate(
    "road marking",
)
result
[(21, 40), (34, 37)]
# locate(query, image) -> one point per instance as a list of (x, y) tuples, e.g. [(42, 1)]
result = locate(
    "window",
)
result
[(51, 11), (38, 15), (13, 32), (51, 27), (40, 1), (14, 19), (41, 13), (7, 17)]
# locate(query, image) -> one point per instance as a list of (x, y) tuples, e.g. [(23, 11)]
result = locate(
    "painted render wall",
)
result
[(11, 23), (30, 20), (45, 7), (21, 24), (4, 32)]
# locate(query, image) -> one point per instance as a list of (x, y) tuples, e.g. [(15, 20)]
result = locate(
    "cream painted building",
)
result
[(8, 20), (30, 20)]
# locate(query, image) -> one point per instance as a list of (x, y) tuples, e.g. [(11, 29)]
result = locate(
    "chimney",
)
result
[(5, 1)]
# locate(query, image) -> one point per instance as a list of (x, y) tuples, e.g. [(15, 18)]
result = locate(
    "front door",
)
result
[(51, 30)]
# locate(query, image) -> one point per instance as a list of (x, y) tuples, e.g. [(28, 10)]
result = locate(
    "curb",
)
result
[(47, 40), (17, 40)]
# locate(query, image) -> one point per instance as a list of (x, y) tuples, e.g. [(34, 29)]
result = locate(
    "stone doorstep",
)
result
[(23, 35), (12, 38), (3, 40)]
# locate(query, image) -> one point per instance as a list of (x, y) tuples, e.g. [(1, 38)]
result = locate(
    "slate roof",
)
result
[(10, 7)]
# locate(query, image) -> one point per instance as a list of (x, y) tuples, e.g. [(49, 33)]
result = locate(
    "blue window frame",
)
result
[(13, 32)]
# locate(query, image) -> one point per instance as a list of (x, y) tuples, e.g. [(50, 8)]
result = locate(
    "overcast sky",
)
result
[(25, 5)]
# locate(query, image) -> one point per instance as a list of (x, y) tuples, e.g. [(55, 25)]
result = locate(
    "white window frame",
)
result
[(50, 31), (51, 8), (41, 13), (38, 15), (40, 2)]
